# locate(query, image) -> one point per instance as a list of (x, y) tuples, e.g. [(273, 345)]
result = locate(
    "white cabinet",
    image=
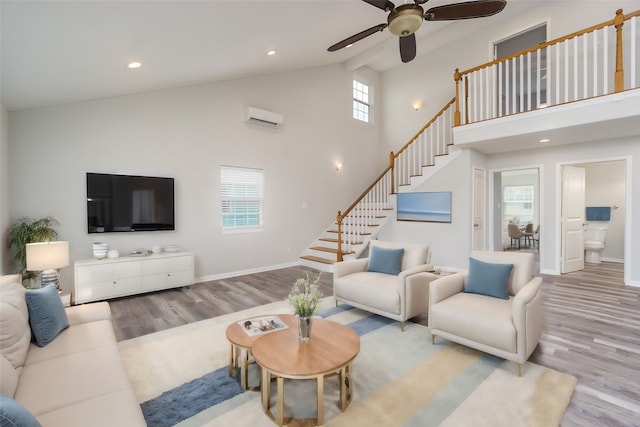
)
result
[(111, 278)]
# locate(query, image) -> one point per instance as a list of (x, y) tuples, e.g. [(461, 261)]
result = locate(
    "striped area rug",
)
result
[(400, 379)]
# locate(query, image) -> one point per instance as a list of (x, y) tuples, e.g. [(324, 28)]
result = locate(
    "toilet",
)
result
[(594, 238)]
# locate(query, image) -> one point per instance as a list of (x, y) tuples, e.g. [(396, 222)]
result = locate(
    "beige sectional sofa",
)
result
[(78, 379)]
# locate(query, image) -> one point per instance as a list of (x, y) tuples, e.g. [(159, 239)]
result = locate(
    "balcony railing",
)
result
[(596, 61)]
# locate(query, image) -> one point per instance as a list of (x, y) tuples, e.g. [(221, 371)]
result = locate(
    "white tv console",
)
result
[(99, 279)]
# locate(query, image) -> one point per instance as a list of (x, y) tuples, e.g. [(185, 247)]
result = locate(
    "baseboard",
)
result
[(244, 272), (621, 261)]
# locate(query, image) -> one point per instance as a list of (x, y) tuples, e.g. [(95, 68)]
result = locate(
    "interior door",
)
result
[(572, 212), (478, 210)]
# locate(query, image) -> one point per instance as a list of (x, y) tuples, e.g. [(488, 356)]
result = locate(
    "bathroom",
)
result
[(605, 186)]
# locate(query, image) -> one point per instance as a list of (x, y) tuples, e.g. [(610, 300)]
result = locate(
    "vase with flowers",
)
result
[(304, 298)]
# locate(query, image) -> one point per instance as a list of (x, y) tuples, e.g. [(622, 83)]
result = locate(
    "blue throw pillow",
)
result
[(13, 414), (47, 316), (388, 261), (489, 279)]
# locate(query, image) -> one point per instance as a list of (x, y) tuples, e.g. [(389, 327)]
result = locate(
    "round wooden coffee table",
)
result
[(281, 354), (241, 344)]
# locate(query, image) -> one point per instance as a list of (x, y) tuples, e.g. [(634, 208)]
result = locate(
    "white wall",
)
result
[(605, 186), (4, 189), (187, 133), (450, 244)]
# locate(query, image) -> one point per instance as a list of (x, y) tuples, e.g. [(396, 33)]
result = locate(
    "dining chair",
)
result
[(515, 234)]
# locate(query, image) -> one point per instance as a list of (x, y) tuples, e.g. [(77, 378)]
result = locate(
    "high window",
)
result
[(241, 196), (361, 104)]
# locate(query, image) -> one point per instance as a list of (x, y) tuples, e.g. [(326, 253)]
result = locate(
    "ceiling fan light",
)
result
[(405, 21)]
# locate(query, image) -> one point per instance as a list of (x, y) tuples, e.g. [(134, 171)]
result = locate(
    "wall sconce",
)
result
[(416, 105), (47, 257), (338, 166)]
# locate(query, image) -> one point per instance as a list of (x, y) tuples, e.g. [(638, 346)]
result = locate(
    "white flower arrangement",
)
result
[(305, 296)]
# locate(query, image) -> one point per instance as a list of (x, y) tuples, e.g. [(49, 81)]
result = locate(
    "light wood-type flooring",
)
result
[(591, 329)]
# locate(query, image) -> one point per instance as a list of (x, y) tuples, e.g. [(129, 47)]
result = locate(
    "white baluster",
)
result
[(514, 90), (528, 81), (507, 87), (605, 60), (521, 100), (585, 64), (576, 77), (595, 62), (500, 68), (633, 22)]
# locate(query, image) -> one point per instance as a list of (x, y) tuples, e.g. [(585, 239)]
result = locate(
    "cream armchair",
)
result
[(508, 328), (399, 297)]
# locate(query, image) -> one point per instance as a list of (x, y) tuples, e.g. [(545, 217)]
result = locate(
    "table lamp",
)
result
[(47, 257)]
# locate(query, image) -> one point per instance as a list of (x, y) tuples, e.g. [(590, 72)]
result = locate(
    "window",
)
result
[(518, 203), (529, 93), (361, 103), (241, 196)]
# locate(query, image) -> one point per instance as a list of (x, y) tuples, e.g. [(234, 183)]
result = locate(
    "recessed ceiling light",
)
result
[(134, 65), (271, 52), (544, 140)]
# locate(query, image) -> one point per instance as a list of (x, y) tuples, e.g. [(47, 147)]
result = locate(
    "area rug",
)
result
[(181, 378)]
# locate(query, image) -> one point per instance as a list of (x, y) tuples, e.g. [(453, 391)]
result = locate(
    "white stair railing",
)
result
[(582, 65), (358, 222)]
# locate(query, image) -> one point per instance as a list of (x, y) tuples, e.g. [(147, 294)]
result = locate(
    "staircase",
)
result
[(347, 237), (581, 65)]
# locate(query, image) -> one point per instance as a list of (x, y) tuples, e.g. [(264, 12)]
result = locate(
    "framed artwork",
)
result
[(424, 206)]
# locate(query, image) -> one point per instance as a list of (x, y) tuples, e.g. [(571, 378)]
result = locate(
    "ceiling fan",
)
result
[(404, 20)]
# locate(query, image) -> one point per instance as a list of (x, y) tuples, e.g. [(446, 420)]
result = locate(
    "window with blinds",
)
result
[(241, 196)]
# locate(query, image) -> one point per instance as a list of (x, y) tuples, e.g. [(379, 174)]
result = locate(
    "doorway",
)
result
[(605, 188), (516, 201)]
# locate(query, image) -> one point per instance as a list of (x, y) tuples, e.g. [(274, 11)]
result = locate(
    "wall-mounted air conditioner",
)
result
[(264, 117)]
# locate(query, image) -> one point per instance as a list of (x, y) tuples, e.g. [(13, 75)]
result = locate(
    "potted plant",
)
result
[(304, 298), (28, 230)]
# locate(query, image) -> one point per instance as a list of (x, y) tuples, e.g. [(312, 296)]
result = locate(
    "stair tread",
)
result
[(318, 259), (357, 234), (330, 240), (330, 250), (363, 225)]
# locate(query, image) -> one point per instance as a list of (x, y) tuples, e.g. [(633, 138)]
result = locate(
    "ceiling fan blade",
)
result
[(408, 48), (466, 10), (354, 38), (385, 5)]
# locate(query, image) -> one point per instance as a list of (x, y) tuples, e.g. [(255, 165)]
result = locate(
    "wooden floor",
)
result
[(591, 329)]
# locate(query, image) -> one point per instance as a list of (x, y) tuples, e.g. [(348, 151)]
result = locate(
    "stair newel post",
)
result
[(619, 75), (339, 219), (456, 115), (392, 159)]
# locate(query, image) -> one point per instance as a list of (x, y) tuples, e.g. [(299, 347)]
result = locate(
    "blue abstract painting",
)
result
[(425, 206)]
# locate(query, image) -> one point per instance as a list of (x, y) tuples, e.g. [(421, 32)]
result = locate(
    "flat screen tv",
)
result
[(129, 203), (425, 206)]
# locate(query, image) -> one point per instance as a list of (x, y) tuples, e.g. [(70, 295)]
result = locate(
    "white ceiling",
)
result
[(58, 51)]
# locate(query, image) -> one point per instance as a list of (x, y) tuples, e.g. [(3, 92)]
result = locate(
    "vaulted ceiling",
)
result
[(55, 52)]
